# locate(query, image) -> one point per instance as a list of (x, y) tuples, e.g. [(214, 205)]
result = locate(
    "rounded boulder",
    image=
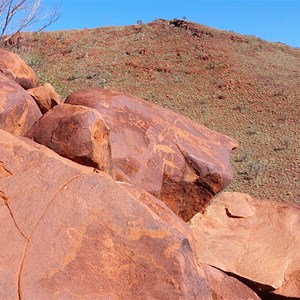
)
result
[(75, 132), (18, 110), (15, 68)]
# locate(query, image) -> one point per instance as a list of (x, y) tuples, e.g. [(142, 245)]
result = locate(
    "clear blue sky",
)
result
[(272, 20)]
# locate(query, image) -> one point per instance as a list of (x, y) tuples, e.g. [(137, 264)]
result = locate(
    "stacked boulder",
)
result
[(22, 100), (45, 97), (14, 68), (178, 161), (18, 109), (107, 196)]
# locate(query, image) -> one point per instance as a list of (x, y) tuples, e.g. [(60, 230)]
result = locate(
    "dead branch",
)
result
[(18, 15)]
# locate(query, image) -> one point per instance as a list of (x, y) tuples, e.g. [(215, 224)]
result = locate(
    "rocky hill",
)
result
[(104, 195), (237, 85)]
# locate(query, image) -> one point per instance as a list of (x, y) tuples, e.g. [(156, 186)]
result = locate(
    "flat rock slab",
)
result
[(179, 161), (18, 110), (76, 132), (15, 68), (253, 239), (73, 234)]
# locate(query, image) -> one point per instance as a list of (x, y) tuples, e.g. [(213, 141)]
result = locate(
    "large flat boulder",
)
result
[(71, 233), (253, 239), (76, 132), (179, 161), (18, 110), (15, 68)]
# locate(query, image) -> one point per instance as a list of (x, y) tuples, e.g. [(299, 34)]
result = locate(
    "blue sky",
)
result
[(276, 21)]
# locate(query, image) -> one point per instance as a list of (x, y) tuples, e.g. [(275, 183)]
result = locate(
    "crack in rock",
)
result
[(200, 180), (21, 269), (33, 230), (5, 201), (4, 172), (230, 215)]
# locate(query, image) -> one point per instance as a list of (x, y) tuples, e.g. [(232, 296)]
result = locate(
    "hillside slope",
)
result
[(238, 85)]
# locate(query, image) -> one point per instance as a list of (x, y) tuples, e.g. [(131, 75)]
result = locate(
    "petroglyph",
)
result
[(162, 152)]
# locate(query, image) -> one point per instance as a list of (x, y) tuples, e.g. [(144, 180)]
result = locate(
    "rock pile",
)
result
[(107, 196)]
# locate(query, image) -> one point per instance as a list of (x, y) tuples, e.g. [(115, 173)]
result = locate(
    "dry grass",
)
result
[(238, 85)]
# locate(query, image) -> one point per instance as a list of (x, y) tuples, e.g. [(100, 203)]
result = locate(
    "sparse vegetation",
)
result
[(258, 83)]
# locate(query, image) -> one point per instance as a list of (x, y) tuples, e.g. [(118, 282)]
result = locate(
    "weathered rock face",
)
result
[(177, 160), (45, 97), (225, 287), (73, 234), (256, 240), (18, 110), (76, 132), (15, 68)]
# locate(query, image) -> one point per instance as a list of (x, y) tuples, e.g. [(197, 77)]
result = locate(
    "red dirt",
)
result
[(238, 85)]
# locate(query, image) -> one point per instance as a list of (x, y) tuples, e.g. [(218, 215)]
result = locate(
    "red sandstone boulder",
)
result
[(18, 110), (181, 162), (226, 287), (76, 132), (15, 68), (254, 239), (70, 233), (45, 97)]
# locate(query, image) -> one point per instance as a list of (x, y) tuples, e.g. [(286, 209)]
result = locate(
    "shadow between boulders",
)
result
[(265, 292)]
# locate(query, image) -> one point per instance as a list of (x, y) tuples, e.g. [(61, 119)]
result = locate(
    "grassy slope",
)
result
[(238, 85)]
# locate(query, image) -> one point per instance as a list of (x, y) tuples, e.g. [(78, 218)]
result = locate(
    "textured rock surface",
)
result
[(76, 132), (15, 68), (181, 162), (225, 287), (45, 97), (73, 234), (254, 239), (18, 110)]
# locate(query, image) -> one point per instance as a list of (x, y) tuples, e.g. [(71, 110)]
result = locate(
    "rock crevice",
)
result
[(5, 201), (34, 228)]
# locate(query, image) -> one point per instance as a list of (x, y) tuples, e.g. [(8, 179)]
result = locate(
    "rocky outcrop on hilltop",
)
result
[(95, 194)]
